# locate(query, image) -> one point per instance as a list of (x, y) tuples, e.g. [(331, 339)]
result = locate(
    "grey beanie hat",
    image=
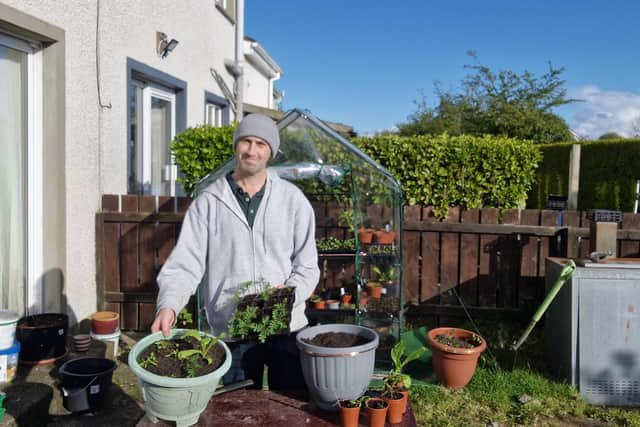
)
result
[(260, 126)]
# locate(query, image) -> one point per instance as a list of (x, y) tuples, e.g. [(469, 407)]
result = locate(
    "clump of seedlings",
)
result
[(459, 342), (262, 311), (188, 355)]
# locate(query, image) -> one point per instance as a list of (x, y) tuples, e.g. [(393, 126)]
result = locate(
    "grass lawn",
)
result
[(510, 394)]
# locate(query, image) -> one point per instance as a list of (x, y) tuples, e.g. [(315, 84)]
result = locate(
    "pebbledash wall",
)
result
[(94, 141)]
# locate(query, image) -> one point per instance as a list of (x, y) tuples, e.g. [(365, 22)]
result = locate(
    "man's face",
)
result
[(252, 154)]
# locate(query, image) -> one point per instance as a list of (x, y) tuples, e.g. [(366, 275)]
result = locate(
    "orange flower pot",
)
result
[(320, 305), (377, 417), (454, 366), (349, 417), (346, 299), (397, 406), (365, 235), (383, 237), (105, 322), (375, 291)]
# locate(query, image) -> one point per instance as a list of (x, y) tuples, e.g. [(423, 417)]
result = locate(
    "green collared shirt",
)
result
[(248, 204)]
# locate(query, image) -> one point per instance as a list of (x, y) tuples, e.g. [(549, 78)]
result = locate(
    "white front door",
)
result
[(20, 176), (152, 128)]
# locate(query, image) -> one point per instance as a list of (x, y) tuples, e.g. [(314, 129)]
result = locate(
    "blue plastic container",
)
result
[(9, 362)]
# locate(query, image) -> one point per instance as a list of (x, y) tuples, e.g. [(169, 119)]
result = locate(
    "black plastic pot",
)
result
[(85, 383), (43, 337)]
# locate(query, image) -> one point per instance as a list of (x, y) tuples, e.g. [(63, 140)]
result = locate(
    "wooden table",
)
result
[(243, 408)]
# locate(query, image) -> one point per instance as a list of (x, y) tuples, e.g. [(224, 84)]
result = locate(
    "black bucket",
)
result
[(43, 337), (85, 383)]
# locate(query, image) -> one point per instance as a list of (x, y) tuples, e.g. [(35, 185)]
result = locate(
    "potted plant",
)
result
[(337, 361), (396, 380), (346, 298), (262, 311), (384, 236), (396, 404), (377, 410), (350, 411), (455, 354), (317, 302), (178, 374), (334, 245), (387, 277), (375, 289)]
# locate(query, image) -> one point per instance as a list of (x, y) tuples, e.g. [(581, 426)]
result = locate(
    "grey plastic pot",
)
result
[(333, 374), (175, 399)]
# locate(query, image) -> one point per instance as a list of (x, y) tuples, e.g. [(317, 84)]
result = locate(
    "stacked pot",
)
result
[(9, 347), (105, 327)]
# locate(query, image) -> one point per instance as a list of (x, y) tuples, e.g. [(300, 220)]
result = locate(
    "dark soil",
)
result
[(459, 342), (167, 363), (377, 404), (336, 339), (274, 296), (43, 320)]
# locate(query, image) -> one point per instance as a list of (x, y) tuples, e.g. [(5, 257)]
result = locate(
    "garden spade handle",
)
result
[(565, 274)]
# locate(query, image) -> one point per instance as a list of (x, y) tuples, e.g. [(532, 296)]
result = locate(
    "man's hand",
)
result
[(164, 321)]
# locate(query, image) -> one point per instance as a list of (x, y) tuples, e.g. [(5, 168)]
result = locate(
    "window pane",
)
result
[(13, 140), (134, 147), (160, 143)]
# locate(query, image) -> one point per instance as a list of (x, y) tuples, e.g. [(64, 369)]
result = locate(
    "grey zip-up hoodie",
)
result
[(217, 244)]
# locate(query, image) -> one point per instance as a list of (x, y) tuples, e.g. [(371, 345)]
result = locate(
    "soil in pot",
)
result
[(336, 340), (43, 337), (471, 341), (170, 358)]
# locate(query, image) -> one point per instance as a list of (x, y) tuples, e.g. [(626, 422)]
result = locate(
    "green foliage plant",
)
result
[(206, 343), (400, 360), (552, 174), (201, 149), (150, 360), (385, 275), (253, 321), (354, 403)]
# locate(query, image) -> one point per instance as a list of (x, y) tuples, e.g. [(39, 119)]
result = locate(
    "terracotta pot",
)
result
[(365, 236), (320, 305), (396, 409), (383, 237), (349, 417), (346, 299), (377, 417), (375, 291), (454, 366), (364, 299), (105, 322), (405, 399)]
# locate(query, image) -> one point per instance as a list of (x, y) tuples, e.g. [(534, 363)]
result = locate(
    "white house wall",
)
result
[(96, 137), (257, 87)]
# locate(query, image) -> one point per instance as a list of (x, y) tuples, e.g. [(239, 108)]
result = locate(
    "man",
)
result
[(246, 226)]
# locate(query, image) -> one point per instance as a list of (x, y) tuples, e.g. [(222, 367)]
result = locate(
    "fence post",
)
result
[(574, 177)]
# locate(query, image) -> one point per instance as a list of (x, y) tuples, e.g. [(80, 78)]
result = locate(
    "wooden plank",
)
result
[(131, 296), (498, 229), (110, 202), (147, 314), (572, 219), (549, 245), (430, 271), (129, 316), (147, 203), (319, 209), (629, 247), (469, 257), (183, 204), (111, 257), (139, 217), (484, 313), (129, 203), (530, 262), (166, 241), (166, 204), (333, 229), (487, 280), (509, 263), (585, 242), (411, 257), (147, 256), (449, 261), (128, 256)]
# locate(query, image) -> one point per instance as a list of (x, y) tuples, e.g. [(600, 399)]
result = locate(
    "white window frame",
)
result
[(169, 172), (217, 114), (34, 236)]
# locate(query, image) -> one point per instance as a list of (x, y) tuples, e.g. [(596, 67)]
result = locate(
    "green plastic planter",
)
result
[(175, 399)]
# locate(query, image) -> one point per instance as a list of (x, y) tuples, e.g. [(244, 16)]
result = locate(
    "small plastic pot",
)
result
[(105, 322)]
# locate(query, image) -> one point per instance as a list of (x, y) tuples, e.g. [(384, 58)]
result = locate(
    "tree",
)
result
[(502, 103), (610, 135)]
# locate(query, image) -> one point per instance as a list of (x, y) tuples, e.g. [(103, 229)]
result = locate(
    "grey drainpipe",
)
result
[(239, 59)]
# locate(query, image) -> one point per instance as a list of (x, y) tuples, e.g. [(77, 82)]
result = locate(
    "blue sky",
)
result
[(364, 63)]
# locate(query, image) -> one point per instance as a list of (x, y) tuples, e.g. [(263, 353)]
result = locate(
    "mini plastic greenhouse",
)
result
[(358, 207)]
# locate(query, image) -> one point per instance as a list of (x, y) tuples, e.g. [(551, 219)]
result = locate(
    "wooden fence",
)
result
[(491, 263)]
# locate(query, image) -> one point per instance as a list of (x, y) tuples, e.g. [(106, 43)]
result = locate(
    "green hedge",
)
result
[(465, 171), (609, 170), (199, 150), (552, 175), (608, 174), (439, 171)]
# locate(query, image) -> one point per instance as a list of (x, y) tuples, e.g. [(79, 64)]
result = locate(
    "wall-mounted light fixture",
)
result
[(163, 45)]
